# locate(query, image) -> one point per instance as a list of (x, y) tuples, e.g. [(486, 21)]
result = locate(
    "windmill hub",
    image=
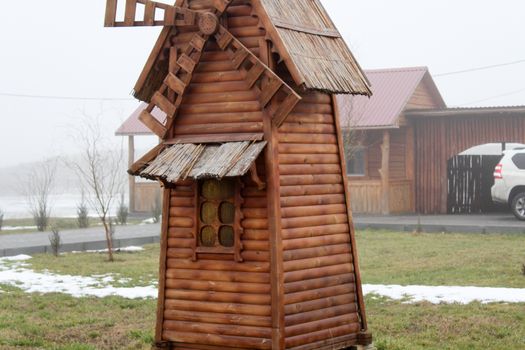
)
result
[(208, 23)]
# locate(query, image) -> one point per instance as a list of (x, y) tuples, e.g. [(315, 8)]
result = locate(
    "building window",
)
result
[(355, 164), (219, 217)]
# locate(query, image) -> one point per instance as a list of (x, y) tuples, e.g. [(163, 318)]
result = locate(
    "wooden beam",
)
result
[(355, 258), (130, 12), (132, 184), (385, 173), (153, 124), (111, 13), (162, 265)]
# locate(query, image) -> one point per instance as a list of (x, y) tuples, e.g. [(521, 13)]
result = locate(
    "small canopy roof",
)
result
[(173, 163)]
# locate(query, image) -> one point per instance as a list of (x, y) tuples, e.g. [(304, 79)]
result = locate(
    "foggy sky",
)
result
[(59, 47)]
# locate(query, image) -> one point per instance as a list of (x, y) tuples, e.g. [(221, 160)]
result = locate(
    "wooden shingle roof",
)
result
[(305, 38), (312, 47)]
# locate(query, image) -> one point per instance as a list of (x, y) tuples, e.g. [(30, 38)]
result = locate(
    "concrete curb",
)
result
[(81, 246), (433, 228)]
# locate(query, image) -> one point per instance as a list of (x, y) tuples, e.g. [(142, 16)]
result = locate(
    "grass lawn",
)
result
[(57, 321)]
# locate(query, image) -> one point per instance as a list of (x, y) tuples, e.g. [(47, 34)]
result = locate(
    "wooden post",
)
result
[(274, 218), (159, 327), (131, 161), (385, 173), (351, 227), (411, 165)]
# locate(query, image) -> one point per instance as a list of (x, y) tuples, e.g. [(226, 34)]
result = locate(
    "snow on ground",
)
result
[(447, 294), (18, 228), (15, 271), (131, 249)]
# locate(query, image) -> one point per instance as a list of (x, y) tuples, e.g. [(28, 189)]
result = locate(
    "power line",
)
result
[(71, 98), (479, 68), (493, 97)]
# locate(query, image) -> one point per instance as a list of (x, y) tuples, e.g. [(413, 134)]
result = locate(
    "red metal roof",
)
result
[(133, 126), (392, 90)]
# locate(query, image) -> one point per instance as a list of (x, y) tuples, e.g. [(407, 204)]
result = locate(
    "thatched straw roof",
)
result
[(199, 161), (303, 35), (312, 48)]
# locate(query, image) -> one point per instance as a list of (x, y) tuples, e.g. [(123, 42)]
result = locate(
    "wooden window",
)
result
[(356, 164), (218, 216)]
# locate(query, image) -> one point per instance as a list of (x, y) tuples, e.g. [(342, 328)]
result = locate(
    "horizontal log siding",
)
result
[(215, 294), (438, 139), (215, 301), (319, 278), (218, 100)]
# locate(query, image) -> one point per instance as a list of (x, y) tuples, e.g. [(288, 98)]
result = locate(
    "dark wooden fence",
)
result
[(469, 180)]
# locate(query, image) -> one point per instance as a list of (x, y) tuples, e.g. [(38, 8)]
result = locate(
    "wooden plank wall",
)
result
[(231, 301), (438, 139), (366, 196), (320, 301), (397, 164)]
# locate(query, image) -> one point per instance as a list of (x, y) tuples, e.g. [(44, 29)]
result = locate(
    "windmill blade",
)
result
[(155, 14), (275, 94), (168, 97), (221, 6)]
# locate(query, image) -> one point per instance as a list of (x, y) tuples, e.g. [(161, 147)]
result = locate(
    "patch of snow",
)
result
[(148, 221), (18, 228), (16, 274), (130, 249), (447, 294), (21, 257)]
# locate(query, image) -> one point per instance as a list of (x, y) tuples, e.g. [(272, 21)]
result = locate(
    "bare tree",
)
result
[(83, 212), (99, 169), (1, 219), (55, 241), (352, 137), (37, 189)]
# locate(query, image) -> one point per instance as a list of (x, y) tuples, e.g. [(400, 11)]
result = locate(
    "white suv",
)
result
[(509, 182)]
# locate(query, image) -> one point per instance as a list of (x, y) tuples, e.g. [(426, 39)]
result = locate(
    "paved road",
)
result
[(94, 238), (483, 223), (81, 239)]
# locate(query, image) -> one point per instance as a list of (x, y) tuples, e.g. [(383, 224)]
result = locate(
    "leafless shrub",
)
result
[(55, 241), (122, 211), (37, 189), (156, 211), (100, 170), (523, 269), (83, 213)]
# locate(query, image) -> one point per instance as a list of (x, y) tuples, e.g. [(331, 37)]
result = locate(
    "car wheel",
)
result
[(518, 206)]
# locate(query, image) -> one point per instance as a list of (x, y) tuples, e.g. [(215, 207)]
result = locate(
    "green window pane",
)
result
[(207, 236), (226, 236), (227, 212), (217, 190), (208, 212)]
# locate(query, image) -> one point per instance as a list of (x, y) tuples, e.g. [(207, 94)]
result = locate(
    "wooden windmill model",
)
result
[(258, 247)]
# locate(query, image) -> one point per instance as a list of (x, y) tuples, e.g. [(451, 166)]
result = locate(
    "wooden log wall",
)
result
[(215, 301), (218, 100), (438, 139), (319, 290)]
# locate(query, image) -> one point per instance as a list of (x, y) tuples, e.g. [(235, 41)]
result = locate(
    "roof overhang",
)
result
[(466, 112), (172, 163)]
